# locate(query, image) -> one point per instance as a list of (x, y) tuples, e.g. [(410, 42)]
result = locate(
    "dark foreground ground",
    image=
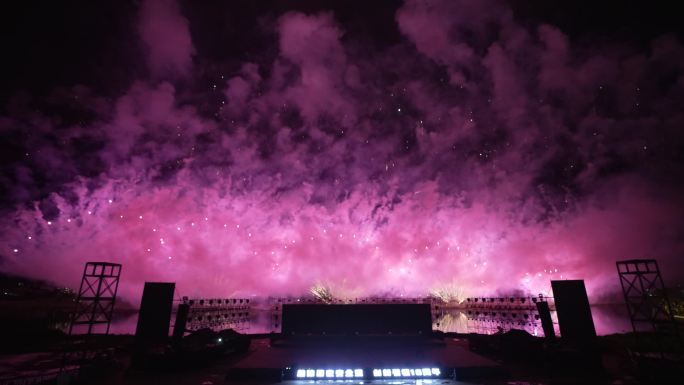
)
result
[(522, 359)]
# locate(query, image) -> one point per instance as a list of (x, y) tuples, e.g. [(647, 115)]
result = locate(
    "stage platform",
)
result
[(269, 361)]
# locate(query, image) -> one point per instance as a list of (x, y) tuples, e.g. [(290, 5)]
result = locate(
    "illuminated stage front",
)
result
[(360, 341)]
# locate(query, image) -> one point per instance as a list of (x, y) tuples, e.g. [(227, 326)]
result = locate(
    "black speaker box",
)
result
[(574, 314), (357, 319), (155, 313)]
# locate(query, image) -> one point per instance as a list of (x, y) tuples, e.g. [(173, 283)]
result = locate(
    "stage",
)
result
[(273, 361)]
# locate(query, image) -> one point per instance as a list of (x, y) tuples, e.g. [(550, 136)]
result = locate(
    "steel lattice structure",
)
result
[(96, 296), (648, 305), (489, 315), (645, 294), (217, 313)]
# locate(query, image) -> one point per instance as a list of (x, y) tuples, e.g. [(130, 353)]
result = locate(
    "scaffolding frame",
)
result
[(648, 304), (645, 294), (96, 296)]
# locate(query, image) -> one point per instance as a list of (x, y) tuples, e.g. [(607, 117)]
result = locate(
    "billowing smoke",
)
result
[(477, 153)]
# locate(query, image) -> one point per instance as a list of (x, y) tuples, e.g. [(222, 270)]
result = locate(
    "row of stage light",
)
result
[(376, 373), (216, 313), (218, 317), (502, 300), (502, 314), (222, 302)]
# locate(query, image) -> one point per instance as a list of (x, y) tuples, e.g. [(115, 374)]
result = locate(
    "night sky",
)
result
[(373, 148)]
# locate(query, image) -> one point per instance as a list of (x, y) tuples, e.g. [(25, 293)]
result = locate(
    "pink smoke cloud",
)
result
[(475, 154), (166, 36)]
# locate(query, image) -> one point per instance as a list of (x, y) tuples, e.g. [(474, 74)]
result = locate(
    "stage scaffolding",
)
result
[(96, 297), (648, 304)]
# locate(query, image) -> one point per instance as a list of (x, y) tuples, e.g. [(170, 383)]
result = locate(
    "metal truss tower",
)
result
[(96, 296), (645, 294), (648, 305)]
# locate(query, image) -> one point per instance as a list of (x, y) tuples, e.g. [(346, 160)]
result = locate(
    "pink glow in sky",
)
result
[(476, 153)]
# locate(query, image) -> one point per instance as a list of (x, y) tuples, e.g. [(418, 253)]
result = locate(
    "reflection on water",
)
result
[(458, 321), (608, 319)]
